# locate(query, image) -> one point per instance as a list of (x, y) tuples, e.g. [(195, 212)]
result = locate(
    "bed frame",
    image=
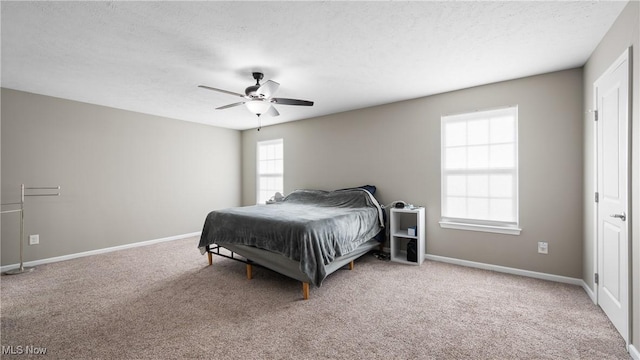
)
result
[(254, 256)]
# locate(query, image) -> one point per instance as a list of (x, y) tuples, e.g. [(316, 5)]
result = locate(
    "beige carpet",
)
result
[(164, 302)]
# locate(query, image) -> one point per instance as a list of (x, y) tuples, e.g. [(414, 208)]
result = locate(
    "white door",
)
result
[(612, 105)]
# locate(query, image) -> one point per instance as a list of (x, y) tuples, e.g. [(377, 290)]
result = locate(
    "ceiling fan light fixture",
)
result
[(258, 106)]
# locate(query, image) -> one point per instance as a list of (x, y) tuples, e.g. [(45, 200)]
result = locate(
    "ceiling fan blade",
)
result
[(268, 89), (230, 105), (220, 90), (272, 111), (284, 101)]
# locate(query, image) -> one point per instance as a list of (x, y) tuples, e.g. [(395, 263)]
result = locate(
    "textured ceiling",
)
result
[(150, 57)]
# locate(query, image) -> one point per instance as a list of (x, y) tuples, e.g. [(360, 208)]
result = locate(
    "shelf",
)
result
[(408, 210), (404, 234), (400, 220), (401, 257)]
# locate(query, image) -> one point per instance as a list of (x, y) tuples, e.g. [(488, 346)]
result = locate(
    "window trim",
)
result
[(258, 175), (465, 224), (501, 227)]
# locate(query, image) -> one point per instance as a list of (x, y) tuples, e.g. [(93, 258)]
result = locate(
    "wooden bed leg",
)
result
[(351, 265), (210, 257), (305, 290), (249, 272)]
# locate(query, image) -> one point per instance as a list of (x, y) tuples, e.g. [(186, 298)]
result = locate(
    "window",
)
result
[(270, 159), (480, 171)]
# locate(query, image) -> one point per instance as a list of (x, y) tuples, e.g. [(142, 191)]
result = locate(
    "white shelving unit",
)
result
[(400, 220)]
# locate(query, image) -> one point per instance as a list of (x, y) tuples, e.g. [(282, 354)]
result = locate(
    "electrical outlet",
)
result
[(34, 239), (543, 247)]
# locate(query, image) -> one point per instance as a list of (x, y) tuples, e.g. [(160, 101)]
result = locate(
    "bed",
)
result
[(306, 236)]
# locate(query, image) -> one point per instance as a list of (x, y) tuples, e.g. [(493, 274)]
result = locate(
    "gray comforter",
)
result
[(310, 226)]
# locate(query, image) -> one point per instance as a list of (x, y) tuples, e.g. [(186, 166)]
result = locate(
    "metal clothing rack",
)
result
[(23, 194)]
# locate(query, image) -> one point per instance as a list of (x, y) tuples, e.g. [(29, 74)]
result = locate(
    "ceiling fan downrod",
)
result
[(258, 76)]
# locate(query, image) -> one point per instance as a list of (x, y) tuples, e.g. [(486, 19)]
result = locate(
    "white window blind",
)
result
[(270, 172), (480, 171)]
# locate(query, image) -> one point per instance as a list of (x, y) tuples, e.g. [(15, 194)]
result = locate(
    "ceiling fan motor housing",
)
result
[(251, 90)]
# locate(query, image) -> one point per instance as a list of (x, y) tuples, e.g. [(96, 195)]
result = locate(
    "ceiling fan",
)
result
[(258, 98)]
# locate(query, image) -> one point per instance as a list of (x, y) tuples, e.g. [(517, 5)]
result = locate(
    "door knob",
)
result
[(622, 216)]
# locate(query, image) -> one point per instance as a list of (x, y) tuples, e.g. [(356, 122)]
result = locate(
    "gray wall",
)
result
[(397, 148), (126, 177), (623, 34)]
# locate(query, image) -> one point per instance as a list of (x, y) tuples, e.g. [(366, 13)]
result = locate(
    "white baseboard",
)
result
[(98, 251), (504, 269), (635, 355), (591, 293)]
